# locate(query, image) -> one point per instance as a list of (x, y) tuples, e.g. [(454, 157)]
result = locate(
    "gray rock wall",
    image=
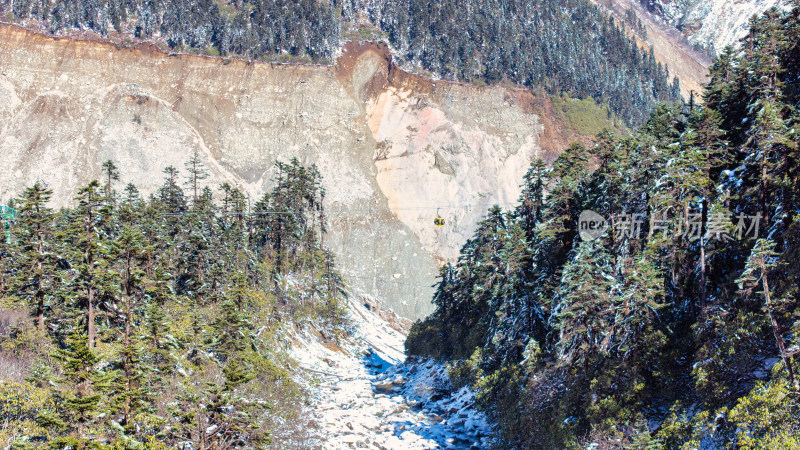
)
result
[(392, 147)]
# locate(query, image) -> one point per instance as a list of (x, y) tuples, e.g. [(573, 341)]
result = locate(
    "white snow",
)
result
[(365, 396)]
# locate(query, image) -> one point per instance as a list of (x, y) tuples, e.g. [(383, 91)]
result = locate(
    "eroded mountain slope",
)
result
[(711, 24), (685, 34), (392, 147)]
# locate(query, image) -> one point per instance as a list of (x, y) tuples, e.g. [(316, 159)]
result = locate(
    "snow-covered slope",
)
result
[(365, 396), (684, 34), (712, 22)]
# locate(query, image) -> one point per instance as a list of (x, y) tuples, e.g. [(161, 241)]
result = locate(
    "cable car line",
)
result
[(258, 213)]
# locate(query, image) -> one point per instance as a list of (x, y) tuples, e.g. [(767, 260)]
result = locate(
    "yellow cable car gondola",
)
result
[(438, 221)]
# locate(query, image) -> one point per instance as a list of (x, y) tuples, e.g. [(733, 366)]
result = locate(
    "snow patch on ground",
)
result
[(365, 396)]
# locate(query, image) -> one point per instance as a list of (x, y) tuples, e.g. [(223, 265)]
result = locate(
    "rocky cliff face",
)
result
[(669, 46), (393, 147), (714, 23), (684, 33)]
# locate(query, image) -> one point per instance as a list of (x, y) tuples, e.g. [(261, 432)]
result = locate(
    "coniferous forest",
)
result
[(675, 324), (568, 47), (160, 322), (564, 46), (645, 293)]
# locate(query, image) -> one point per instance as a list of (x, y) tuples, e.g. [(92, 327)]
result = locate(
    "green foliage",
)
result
[(160, 321), (767, 418), (424, 339), (250, 29), (585, 116), (571, 343), (21, 403), (565, 46), (37, 280), (79, 391)]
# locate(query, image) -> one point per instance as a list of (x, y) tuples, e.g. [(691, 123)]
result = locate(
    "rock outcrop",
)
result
[(716, 23), (685, 34), (394, 148)]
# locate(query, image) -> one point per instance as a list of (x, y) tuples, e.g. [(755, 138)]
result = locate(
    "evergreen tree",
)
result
[(130, 396), (756, 275), (93, 284), (141, 359), (532, 199), (37, 260), (584, 310), (80, 392), (170, 194), (197, 173), (688, 312), (111, 174)]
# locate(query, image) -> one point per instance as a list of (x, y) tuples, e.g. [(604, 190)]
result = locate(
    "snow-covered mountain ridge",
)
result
[(715, 23), (685, 34)]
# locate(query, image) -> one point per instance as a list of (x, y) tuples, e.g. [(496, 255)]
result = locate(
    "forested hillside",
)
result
[(670, 316), (162, 321), (566, 47), (246, 28)]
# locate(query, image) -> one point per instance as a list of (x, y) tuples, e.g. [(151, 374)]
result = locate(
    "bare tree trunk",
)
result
[(201, 431), (763, 191), (91, 317), (703, 280), (40, 313), (127, 346), (778, 338), (39, 294), (89, 263), (703, 283)]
